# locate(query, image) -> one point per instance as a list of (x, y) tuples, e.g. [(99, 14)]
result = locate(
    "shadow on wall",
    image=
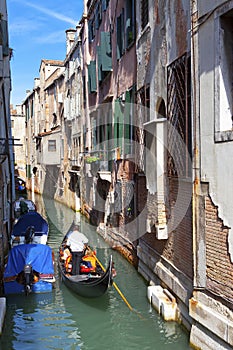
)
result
[(51, 180)]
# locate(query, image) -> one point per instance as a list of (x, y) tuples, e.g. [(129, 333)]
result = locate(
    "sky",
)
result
[(36, 32)]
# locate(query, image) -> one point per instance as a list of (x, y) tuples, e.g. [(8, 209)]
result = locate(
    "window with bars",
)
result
[(144, 13), (143, 99), (179, 117)]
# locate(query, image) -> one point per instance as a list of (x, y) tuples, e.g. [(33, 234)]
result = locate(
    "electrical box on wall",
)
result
[(161, 232)]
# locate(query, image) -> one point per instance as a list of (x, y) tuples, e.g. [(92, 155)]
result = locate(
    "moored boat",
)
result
[(20, 185), (23, 206), (30, 228), (92, 280), (29, 269)]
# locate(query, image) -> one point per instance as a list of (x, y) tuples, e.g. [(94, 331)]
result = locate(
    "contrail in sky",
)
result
[(52, 13)]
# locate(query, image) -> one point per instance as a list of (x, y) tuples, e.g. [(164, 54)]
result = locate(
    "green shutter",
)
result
[(106, 51), (92, 86), (28, 171), (119, 39), (127, 122), (98, 49), (93, 76), (118, 124)]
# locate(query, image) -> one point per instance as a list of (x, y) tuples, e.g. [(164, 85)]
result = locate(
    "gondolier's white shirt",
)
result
[(76, 241)]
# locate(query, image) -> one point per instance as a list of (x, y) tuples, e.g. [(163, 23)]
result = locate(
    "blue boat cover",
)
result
[(39, 256), (30, 219)]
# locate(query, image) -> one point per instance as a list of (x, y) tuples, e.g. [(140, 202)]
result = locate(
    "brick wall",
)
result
[(178, 247), (219, 268)]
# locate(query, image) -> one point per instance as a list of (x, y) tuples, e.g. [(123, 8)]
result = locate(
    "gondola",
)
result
[(92, 281), (30, 228), (29, 269)]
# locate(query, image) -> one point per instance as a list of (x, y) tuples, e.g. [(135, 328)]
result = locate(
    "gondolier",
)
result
[(77, 243)]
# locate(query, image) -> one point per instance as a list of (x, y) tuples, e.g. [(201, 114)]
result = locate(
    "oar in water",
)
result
[(116, 287)]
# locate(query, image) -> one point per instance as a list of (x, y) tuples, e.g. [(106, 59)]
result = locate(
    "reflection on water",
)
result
[(62, 320)]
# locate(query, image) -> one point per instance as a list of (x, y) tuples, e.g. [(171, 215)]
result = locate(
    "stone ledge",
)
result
[(211, 319)]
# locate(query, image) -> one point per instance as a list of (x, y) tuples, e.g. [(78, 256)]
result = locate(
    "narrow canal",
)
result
[(62, 320)]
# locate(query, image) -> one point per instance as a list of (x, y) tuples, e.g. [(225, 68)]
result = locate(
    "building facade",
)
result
[(141, 115), (7, 189)]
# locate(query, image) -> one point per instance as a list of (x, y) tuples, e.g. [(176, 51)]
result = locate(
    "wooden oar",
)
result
[(116, 287)]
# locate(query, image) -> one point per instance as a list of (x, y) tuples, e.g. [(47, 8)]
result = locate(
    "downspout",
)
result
[(86, 61), (198, 252)]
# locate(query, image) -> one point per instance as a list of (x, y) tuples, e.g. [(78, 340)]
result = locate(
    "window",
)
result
[(120, 35), (125, 28), (224, 78), (98, 15), (143, 99), (144, 13), (130, 22), (179, 117), (51, 145), (91, 29)]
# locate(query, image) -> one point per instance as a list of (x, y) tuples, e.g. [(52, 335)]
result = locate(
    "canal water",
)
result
[(62, 320)]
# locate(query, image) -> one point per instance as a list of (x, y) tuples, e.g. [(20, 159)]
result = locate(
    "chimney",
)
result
[(70, 37)]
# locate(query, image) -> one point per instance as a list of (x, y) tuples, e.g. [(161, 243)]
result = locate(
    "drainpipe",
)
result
[(86, 60), (199, 249)]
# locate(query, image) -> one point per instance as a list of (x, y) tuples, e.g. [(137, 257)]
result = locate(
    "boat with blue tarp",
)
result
[(30, 228), (29, 269)]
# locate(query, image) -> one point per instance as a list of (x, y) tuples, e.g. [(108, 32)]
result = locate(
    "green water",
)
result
[(62, 320)]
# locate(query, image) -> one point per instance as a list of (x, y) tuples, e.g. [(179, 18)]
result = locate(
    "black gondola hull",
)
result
[(89, 285)]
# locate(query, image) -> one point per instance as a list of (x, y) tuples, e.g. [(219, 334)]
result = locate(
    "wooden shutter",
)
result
[(106, 51), (92, 77)]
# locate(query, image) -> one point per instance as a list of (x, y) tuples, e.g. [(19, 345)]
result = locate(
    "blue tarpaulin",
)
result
[(30, 219), (39, 256)]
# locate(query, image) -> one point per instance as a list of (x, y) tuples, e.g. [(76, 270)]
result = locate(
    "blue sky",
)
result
[(37, 31)]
